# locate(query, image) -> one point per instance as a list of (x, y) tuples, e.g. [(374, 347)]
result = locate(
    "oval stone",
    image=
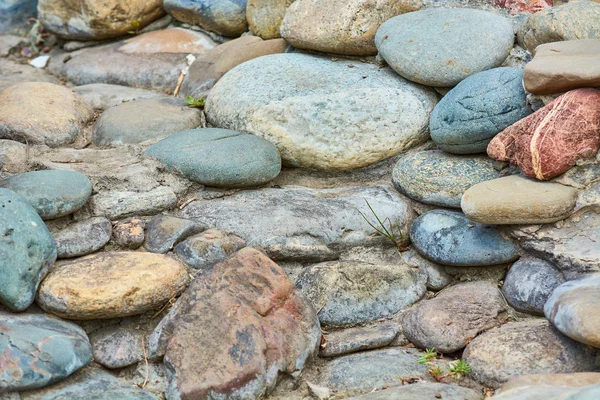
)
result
[(442, 46), (450, 238), (227, 18), (477, 109), (438, 178), (219, 157), (53, 193), (111, 285), (27, 250)]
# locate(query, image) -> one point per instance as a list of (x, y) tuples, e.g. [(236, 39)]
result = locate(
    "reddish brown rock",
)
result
[(519, 6), (551, 140), (235, 329)]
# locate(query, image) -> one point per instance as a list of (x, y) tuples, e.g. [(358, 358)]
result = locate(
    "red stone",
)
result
[(551, 140), (519, 6)]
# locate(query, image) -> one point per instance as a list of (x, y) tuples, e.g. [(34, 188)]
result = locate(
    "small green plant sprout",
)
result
[(428, 357), (195, 102), (393, 233), (437, 373), (136, 27), (458, 369)]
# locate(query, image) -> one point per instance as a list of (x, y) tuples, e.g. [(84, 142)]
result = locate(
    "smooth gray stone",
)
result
[(204, 250), (103, 95), (165, 231), (82, 238), (116, 347), (352, 340)]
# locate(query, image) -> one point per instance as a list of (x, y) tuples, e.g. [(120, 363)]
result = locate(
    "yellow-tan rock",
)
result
[(265, 16)]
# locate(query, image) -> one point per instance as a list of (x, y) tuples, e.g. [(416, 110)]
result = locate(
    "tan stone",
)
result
[(340, 28), (176, 40), (265, 16), (111, 285), (93, 20), (518, 200), (562, 66), (42, 113), (576, 379)]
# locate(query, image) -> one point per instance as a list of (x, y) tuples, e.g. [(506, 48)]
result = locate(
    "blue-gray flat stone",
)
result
[(27, 250), (442, 46), (438, 178), (37, 350), (477, 109), (219, 157), (53, 194), (227, 18), (450, 238)]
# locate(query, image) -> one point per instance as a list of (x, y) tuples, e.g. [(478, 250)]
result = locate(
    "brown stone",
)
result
[(265, 16), (176, 40), (234, 329), (129, 234), (562, 66), (551, 140), (519, 6), (575, 379)]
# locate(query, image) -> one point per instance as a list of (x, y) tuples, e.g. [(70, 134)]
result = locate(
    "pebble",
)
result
[(40, 62), (227, 18), (102, 96), (265, 16), (204, 250), (219, 157), (129, 234), (353, 340), (83, 237), (165, 231), (117, 347)]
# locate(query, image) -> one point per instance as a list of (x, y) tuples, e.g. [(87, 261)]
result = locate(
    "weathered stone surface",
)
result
[(562, 66), (111, 285), (269, 329), (450, 238), (551, 140), (53, 194), (226, 18), (571, 21), (82, 238), (347, 28), (575, 379), (37, 350), (553, 392), (526, 347), (175, 40), (455, 316), (457, 43), (129, 234), (572, 309), (12, 73), (165, 231), (210, 66), (350, 292), (204, 250), (438, 178), (520, 6), (352, 340), (518, 200), (42, 113), (437, 277), (528, 284), (425, 390), (219, 157), (304, 224), (322, 114), (117, 347), (27, 250), (92, 20), (146, 120), (265, 16), (103, 95), (477, 109), (114, 205)]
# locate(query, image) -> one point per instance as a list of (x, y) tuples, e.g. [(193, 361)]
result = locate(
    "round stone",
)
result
[(450, 238), (219, 157), (52, 193), (442, 46), (477, 109), (438, 178)]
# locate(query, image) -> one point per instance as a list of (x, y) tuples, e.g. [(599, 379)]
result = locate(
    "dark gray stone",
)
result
[(165, 231), (116, 347), (227, 18), (83, 237), (352, 340), (204, 250)]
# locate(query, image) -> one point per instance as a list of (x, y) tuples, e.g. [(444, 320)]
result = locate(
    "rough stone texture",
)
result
[(322, 114), (227, 18), (575, 379), (114, 205), (52, 194), (437, 277), (450, 238), (175, 40), (12, 73), (518, 200), (571, 245), (111, 285), (520, 6), (147, 120), (426, 390), (551, 140), (347, 28), (528, 284), (571, 21), (117, 347), (455, 44), (82, 238), (269, 329), (42, 113), (455, 316), (37, 350), (350, 292), (477, 109), (204, 250), (210, 66), (102, 96), (526, 347), (165, 231), (562, 66), (305, 224), (265, 16), (129, 234), (352, 340), (571, 309), (219, 157), (27, 250), (554, 392), (438, 178), (92, 20)]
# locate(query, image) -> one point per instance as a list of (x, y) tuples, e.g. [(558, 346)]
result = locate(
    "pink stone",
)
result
[(551, 140), (519, 6)]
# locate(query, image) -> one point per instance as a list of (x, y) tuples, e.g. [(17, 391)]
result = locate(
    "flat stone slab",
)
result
[(352, 340), (103, 95), (83, 237), (165, 231), (425, 390)]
